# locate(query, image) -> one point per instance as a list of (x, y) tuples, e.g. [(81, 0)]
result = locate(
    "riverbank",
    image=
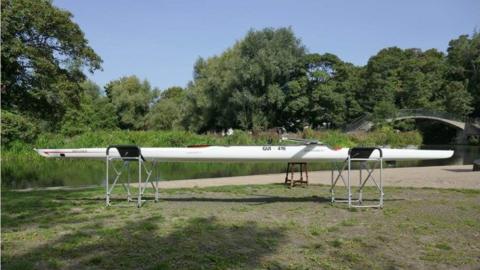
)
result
[(456, 176)]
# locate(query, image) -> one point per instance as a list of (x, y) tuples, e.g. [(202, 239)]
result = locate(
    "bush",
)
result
[(16, 127)]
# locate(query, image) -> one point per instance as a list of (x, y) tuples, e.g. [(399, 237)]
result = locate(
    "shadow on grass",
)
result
[(459, 170), (257, 199), (254, 200), (196, 243), (41, 207)]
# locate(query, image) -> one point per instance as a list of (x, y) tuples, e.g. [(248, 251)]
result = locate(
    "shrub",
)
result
[(16, 127)]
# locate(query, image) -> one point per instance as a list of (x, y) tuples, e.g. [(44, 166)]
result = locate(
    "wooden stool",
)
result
[(291, 169)]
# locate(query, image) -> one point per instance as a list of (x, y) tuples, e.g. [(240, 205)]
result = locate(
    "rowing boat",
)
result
[(268, 153)]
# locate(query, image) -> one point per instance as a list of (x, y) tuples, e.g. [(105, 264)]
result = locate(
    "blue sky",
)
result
[(161, 40)]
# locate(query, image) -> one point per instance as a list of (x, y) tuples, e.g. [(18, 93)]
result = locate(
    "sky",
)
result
[(161, 40)]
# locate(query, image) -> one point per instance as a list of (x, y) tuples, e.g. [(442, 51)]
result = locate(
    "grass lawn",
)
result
[(245, 227)]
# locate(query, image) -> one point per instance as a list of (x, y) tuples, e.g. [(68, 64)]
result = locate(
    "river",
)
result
[(19, 173)]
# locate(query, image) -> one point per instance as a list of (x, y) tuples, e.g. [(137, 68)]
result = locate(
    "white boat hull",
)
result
[(296, 153)]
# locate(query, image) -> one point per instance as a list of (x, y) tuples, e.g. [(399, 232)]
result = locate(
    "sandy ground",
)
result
[(456, 176)]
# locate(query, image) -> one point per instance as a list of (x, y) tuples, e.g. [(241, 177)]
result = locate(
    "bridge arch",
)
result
[(453, 123), (365, 123)]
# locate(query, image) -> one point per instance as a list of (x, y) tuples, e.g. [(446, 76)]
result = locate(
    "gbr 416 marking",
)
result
[(270, 148)]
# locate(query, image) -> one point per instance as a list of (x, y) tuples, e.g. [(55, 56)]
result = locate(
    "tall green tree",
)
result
[(131, 99), (168, 112), (457, 99), (332, 87), (382, 78), (43, 55), (410, 78), (464, 67), (245, 86)]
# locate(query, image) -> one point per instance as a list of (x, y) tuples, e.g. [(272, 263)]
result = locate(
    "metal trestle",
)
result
[(128, 154), (367, 165)]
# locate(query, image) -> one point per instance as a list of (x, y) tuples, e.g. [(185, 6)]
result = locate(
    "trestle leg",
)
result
[(142, 183), (367, 165), (349, 188), (139, 201), (360, 190), (107, 193)]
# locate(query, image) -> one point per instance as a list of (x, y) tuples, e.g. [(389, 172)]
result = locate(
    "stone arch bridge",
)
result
[(466, 126)]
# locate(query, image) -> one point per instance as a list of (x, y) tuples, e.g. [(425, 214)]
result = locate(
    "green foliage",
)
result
[(43, 55), (428, 79), (267, 80), (183, 138), (164, 115), (241, 89), (388, 136), (94, 113), (464, 66), (16, 127), (331, 86), (383, 136), (332, 138), (383, 110), (168, 112), (244, 86), (144, 138), (404, 125), (408, 78), (458, 99), (131, 99), (174, 92), (239, 137)]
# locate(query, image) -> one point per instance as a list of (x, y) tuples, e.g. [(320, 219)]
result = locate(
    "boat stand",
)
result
[(368, 164), (291, 170), (128, 154)]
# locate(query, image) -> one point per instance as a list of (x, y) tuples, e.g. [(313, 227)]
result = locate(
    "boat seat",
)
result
[(127, 152)]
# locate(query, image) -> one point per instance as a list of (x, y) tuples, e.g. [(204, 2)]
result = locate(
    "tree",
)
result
[(458, 99), (382, 78), (94, 113), (131, 100), (332, 87), (43, 55), (245, 86), (174, 92), (16, 127), (464, 66), (409, 78), (383, 110), (168, 112)]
